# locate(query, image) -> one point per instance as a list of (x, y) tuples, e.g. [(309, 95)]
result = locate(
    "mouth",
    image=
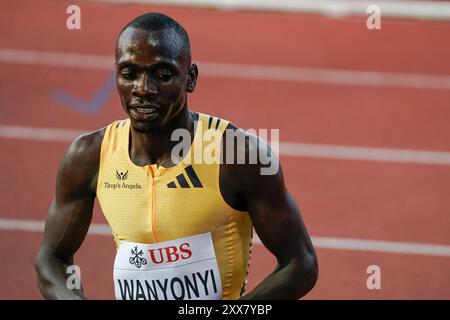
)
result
[(144, 112)]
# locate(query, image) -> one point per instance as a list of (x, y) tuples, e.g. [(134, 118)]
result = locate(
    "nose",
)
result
[(144, 86)]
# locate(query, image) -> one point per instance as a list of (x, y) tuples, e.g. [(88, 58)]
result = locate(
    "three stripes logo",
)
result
[(213, 122), (182, 181), (121, 175)]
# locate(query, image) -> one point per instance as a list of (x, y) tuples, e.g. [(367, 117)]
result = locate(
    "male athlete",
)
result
[(182, 229)]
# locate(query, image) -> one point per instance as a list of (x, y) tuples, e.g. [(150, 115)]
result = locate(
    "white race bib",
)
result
[(181, 269)]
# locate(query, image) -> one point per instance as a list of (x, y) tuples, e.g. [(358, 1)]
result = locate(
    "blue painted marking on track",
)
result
[(92, 106)]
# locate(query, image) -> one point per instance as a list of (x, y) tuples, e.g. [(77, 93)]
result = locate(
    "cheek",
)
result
[(175, 93), (124, 88)]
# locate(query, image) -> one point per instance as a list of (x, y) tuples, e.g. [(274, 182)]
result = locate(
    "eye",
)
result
[(128, 74), (164, 75)]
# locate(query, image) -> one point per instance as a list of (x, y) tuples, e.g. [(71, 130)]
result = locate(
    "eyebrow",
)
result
[(163, 63)]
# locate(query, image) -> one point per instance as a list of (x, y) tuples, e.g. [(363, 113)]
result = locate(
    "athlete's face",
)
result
[(154, 74)]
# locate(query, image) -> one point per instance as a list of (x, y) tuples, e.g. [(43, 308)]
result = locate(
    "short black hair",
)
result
[(155, 21)]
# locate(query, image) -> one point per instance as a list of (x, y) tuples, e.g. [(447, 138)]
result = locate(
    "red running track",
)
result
[(338, 198)]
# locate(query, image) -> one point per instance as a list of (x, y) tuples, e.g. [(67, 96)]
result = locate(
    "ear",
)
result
[(192, 78)]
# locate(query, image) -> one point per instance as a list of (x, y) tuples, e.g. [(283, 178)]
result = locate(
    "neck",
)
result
[(155, 147)]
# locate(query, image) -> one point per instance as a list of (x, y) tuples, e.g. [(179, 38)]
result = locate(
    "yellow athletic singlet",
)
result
[(153, 204)]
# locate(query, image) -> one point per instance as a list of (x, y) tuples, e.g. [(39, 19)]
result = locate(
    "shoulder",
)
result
[(79, 168), (246, 151), (248, 164), (86, 147)]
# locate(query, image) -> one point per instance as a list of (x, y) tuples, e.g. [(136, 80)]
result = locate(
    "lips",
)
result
[(145, 110), (142, 113)]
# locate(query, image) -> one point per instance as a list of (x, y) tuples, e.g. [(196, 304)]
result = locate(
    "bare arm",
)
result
[(278, 223), (69, 217)]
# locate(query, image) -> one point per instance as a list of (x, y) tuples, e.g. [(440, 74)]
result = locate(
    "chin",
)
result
[(145, 127)]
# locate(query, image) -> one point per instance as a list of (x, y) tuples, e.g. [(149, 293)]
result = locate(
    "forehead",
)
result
[(146, 46)]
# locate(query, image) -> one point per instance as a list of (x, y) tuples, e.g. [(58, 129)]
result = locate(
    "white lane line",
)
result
[(333, 243), (434, 10), (327, 151), (382, 246), (244, 71), (38, 226), (327, 76), (34, 133), (57, 59), (308, 150)]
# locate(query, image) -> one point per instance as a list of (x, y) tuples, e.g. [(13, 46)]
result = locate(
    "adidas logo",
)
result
[(182, 181)]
